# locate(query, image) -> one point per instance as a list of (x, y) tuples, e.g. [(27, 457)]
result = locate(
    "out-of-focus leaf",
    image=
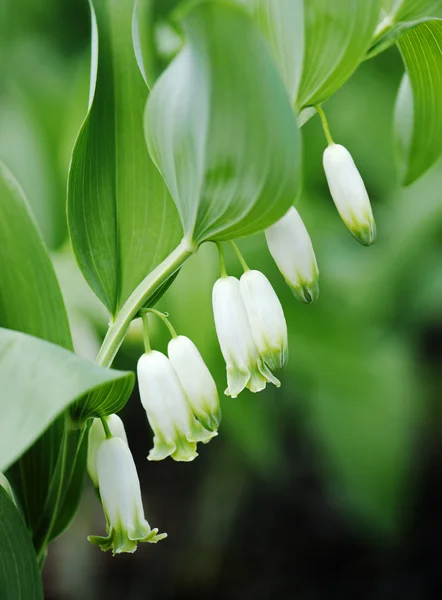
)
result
[(144, 40), (282, 23), (392, 36), (397, 17), (363, 409), (418, 116), (30, 298), (317, 43), (121, 218), (19, 574), (39, 380), (337, 35), (409, 10), (30, 301), (221, 130)]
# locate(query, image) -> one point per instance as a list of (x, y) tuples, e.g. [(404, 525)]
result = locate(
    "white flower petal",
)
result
[(244, 365), (349, 194), (291, 248), (121, 498), (266, 318), (176, 429), (196, 381), (97, 437)]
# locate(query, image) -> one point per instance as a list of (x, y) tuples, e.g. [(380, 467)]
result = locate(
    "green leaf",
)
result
[(317, 43), (122, 221), (66, 487), (409, 10), (30, 297), (39, 380), (33, 304), (337, 35), (282, 23), (19, 574), (418, 118), (220, 128), (397, 17)]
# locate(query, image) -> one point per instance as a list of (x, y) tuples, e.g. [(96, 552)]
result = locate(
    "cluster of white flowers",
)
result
[(251, 330), (178, 392), (180, 399)]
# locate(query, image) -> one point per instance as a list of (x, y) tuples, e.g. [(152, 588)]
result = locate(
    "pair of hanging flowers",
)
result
[(177, 390)]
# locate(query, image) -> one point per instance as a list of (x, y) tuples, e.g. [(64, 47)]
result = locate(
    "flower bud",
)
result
[(266, 318), (291, 248), (196, 381), (349, 194), (245, 368), (176, 429), (97, 437), (121, 498)]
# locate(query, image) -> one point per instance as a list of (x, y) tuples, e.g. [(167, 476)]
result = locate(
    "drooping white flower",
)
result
[(266, 318), (97, 437), (4, 483), (196, 381), (120, 495), (245, 367), (349, 194), (291, 248), (176, 429)]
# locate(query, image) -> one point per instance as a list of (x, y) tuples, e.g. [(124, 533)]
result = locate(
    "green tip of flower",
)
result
[(120, 541), (306, 292), (365, 234), (210, 421), (275, 358)]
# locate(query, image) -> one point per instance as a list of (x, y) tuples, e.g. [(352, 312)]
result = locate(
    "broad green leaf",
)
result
[(419, 107), (30, 298), (121, 218), (39, 380), (221, 130), (395, 11), (19, 574), (282, 23), (66, 487), (317, 43), (337, 35), (30, 301), (397, 17)]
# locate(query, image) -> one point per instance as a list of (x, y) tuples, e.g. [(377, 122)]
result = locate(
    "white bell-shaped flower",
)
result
[(120, 495), (196, 381), (97, 436), (266, 318), (176, 429), (245, 367), (291, 248), (349, 194)]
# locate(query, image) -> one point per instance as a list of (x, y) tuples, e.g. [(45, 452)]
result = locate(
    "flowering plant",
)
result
[(207, 151)]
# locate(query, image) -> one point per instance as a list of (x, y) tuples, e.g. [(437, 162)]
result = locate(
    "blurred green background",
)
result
[(326, 488)]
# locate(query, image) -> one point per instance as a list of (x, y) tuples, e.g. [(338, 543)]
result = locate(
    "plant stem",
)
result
[(107, 431), (146, 339), (118, 329), (165, 320), (240, 256), (325, 126), (222, 261)]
